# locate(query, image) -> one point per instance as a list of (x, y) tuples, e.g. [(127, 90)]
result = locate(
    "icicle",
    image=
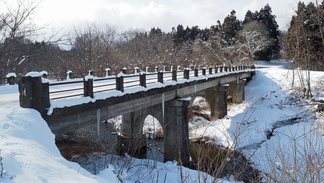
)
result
[(163, 95), (98, 123)]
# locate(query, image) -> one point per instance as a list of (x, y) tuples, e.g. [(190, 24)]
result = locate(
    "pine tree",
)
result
[(304, 43), (230, 27)]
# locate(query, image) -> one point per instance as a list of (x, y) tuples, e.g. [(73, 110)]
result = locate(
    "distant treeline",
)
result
[(232, 41)]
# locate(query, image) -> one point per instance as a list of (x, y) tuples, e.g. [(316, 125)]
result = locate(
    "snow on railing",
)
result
[(88, 85), (123, 80)]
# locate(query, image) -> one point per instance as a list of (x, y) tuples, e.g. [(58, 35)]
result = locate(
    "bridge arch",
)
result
[(132, 129), (216, 97), (152, 127), (197, 104)]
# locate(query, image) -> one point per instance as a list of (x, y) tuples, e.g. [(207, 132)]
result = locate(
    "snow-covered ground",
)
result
[(279, 132)]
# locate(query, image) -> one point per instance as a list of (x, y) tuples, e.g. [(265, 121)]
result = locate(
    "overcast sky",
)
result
[(145, 14)]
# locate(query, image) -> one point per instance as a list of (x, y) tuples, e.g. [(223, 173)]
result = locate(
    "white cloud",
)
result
[(155, 13)]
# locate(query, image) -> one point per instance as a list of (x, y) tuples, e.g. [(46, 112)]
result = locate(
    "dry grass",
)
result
[(222, 162)]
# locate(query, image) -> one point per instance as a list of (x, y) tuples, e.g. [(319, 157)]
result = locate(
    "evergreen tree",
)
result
[(230, 27), (178, 34), (304, 42)]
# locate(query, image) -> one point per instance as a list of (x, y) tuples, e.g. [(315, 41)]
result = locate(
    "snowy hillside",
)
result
[(279, 132)]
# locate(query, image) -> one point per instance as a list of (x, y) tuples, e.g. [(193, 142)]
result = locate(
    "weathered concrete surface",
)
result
[(217, 99), (34, 94), (236, 90), (176, 132)]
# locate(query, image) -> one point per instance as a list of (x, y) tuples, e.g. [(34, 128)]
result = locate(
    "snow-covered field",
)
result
[(281, 134)]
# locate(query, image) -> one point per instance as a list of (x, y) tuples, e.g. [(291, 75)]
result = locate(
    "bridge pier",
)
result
[(236, 90), (217, 99), (176, 133), (132, 140)]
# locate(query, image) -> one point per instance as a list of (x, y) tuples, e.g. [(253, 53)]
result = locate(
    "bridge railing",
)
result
[(12, 79), (90, 84), (142, 79), (36, 91)]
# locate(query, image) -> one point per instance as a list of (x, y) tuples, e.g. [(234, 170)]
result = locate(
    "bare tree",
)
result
[(254, 38), (17, 20), (92, 47), (16, 24), (304, 43)]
